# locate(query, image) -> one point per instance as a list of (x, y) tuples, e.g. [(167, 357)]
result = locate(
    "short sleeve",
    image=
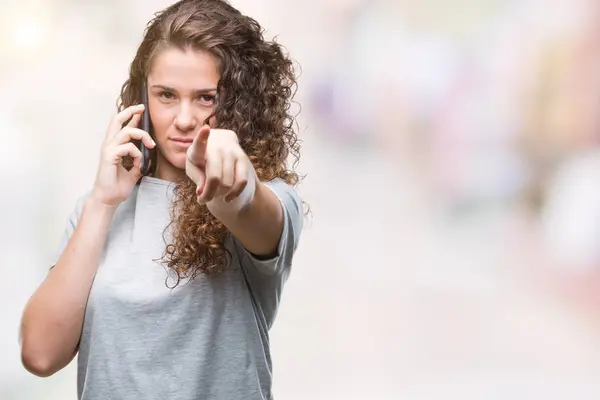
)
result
[(290, 236), (69, 229), (265, 279)]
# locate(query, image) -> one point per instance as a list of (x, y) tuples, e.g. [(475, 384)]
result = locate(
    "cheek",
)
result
[(212, 121), (161, 121)]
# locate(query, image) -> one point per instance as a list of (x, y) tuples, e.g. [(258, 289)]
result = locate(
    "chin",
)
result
[(176, 159)]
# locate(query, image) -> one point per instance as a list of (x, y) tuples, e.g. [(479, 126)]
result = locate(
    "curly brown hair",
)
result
[(254, 98)]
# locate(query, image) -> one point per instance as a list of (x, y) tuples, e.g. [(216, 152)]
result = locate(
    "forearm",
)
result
[(53, 318), (221, 169)]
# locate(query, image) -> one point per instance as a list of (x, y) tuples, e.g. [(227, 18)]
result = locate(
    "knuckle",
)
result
[(224, 151), (227, 185), (213, 180), (120, 117), (130, 132), (134, 148)]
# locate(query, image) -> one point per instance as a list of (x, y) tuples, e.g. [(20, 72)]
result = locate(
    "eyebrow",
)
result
[(195, 91)]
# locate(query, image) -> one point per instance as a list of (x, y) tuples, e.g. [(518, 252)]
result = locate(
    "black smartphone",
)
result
[(146, 125)]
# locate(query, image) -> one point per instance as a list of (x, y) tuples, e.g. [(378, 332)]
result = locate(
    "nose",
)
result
[(185, 120)]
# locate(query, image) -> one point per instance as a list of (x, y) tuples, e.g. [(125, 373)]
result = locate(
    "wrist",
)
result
[(98, 208)]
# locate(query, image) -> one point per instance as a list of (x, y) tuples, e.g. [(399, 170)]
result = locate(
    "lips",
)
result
[(182, 140)]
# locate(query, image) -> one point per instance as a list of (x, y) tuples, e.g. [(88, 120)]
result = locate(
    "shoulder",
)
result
[(286, 193)]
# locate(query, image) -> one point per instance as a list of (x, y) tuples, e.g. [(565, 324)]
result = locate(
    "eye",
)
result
[(206, 99), (166, 95)]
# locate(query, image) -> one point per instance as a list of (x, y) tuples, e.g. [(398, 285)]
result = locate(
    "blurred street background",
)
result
[(452, 162)]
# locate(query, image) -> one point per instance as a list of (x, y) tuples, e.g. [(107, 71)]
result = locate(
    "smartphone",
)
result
[(146, 125)]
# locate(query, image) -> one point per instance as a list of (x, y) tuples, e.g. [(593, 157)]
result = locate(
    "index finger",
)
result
[(197, 150), (124, 116)]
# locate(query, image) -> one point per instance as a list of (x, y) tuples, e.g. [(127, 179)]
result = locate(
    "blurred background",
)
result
[(452, 154)]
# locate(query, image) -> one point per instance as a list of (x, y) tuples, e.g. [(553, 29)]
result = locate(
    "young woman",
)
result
[(167, 284)]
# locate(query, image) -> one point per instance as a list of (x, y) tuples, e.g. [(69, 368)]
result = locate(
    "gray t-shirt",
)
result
[(204, 340)]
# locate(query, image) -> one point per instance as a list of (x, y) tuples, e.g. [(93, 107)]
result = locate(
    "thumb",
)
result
[(135, 173), (196, 174), (197, 151)]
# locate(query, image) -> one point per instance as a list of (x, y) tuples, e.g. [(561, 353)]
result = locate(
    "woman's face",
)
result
[(182, 85)]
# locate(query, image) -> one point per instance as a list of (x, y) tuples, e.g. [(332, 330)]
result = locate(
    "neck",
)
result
[(167, 171)]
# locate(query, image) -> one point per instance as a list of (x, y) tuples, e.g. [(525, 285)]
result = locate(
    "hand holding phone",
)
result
[(114, 181)]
